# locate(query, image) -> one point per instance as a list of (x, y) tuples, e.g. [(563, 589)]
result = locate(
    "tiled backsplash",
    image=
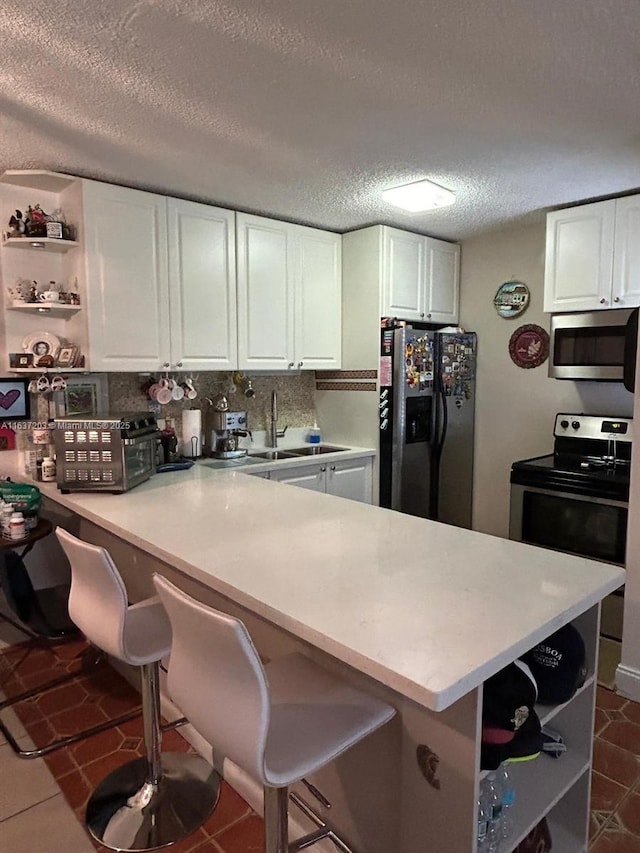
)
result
[(295, 398)]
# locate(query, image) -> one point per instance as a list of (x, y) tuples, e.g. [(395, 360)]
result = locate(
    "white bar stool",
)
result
[(278, 723), (157, 800)]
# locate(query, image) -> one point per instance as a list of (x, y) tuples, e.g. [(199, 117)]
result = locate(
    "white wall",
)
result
[(515, 407)]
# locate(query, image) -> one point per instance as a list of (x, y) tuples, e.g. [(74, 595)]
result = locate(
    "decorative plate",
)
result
[(41, 343), (529, 346), (511, 298)]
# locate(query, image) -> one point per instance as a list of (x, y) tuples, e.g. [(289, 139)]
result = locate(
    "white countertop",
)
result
[(427, 609)]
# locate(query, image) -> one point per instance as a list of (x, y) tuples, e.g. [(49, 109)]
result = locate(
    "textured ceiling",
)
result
[(306, 110)]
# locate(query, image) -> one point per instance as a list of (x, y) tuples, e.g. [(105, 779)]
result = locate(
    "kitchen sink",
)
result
[(273, 455), (316, 450)]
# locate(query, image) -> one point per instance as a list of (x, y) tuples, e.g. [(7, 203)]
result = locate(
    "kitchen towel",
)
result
[(192, 433)]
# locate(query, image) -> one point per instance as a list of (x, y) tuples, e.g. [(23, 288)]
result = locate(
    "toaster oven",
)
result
[(113, 453)]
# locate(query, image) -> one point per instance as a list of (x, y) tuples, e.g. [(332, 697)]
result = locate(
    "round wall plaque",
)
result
[(511, 298), (529, 346)]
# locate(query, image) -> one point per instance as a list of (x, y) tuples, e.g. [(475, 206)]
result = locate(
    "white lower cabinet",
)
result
[(350, 478)]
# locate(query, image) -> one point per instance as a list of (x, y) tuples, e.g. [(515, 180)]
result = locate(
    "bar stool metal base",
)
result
[(127, 812)]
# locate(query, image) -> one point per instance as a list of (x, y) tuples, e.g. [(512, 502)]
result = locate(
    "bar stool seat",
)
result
[(154, 801), (278, 723)]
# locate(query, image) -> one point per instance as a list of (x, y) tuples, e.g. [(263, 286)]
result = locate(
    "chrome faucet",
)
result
[(274, 432), (274, 419)]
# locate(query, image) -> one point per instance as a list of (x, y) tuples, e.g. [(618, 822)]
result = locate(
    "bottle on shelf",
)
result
[(48, 469), (493, 799), (482, 841), (505, 781), (17, 526)]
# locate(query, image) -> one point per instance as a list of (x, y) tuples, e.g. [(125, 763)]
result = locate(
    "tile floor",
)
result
[(42, 801)]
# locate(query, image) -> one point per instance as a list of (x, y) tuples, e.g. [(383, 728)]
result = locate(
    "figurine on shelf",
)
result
[(36, 222), (16, 225)]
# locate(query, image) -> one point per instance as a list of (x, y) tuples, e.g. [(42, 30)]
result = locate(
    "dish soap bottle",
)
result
[(314, 434)]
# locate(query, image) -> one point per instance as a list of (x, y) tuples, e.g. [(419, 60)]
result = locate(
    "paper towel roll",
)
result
[(192, 433)]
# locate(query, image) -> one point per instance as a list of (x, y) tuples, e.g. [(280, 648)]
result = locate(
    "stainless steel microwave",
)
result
[(596, 345)]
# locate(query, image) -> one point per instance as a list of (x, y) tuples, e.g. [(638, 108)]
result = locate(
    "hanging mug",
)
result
[(58, 383), (177, 391), (190, 392), (43, 385)]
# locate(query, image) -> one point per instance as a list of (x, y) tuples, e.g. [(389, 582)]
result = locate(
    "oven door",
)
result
[(576, 524)]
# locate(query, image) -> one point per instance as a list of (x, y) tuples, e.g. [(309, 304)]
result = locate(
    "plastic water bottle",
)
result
[(505, 781), (494, 807), (482, 845)]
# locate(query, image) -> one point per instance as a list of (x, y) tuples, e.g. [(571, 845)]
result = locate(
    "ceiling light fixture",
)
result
[(419, 196)]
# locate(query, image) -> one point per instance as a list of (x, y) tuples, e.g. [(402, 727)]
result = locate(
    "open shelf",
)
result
[(38, 179), (50, 309), (40, 244), (49, 370)]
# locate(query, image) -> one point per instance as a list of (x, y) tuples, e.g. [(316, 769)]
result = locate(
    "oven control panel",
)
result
[(593, 426)]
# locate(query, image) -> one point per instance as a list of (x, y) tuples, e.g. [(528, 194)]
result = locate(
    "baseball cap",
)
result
[(558, 665), (510, 725)]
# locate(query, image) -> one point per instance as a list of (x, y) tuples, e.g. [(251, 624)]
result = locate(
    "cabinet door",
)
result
[(265, 294), (127, 284), (443, 281), (350, 479), (306, 476), (626, 253), (202, 293), (403, 276), (318, 299), (579, 258)]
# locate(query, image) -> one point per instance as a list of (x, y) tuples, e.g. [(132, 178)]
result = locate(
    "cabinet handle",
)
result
[(290, 364), (333, 467), (300, 363), (179, 364), (603, 301), (616, 299), (428, 316), (166, 364), (323, 468), (422, 315)]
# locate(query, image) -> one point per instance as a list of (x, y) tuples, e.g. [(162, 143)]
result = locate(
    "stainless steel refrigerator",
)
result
[(427, 396)]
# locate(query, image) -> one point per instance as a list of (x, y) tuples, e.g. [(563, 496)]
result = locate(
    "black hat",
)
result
[(526, 745), (509, 697), (558, 665)]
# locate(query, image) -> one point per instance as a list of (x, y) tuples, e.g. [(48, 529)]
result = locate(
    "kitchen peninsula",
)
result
[(417, 612)]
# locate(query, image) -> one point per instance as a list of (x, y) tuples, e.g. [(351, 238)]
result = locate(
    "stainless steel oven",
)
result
[(576, 499)]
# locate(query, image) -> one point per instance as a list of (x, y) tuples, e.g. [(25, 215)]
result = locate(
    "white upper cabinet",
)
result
[(318, 300), (443, 281), (626, 253), (404, 275), (289, 296), (593, 256), (160, 282), (127, 277), (202, 286), (420, 277)]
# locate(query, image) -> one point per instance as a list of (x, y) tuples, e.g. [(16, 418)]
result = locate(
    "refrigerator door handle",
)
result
[(445, 419)]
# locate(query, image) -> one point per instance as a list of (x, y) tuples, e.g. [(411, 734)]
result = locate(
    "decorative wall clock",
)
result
[(511, 298), (529, 346)]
